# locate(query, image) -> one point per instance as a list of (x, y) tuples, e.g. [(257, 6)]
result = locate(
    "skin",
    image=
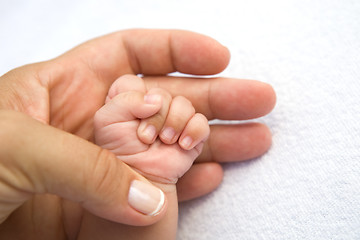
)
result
[(118, 127), (64, 198)]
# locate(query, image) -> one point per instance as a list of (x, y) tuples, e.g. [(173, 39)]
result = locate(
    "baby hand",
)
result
[(157, 134)]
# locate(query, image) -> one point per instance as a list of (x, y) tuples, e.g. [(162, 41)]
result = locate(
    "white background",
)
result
[(308, 185)]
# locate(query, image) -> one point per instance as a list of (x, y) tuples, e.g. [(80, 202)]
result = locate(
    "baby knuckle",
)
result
[(201, 117)]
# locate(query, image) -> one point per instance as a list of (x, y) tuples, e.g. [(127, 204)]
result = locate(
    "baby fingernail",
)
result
[(168, 133), (186, 142), (152, 99), (146, 198), (149, 132)]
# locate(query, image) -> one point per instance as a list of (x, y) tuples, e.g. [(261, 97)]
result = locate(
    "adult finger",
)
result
[(150, 52), (221, 98), (201, 179), (36, 158), (165, 51), (229, 143)]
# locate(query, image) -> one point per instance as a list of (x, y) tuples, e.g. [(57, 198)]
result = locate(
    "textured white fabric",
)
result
[(308, 185)]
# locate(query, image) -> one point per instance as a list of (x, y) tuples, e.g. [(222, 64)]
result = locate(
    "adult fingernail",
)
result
[(146, 198)]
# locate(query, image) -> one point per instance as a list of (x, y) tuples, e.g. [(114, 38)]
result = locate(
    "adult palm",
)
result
[(43, 192)]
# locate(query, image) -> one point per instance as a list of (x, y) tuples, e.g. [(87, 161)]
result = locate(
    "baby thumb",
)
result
[(127, 106), (36, 158)]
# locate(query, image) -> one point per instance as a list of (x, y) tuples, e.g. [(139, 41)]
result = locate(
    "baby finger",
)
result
[(196, 132)]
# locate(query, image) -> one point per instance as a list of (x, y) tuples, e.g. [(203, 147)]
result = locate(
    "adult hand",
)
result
[(88, 183)]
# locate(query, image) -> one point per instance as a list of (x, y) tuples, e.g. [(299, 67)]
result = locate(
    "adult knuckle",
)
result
[(14, 171), (9, 126), (106, 172), (102, 168)]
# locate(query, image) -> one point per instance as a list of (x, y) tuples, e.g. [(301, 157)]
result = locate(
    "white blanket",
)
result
[(308, 185)]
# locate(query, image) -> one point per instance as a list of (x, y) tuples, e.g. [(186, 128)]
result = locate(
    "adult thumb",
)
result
[(36, 158)]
